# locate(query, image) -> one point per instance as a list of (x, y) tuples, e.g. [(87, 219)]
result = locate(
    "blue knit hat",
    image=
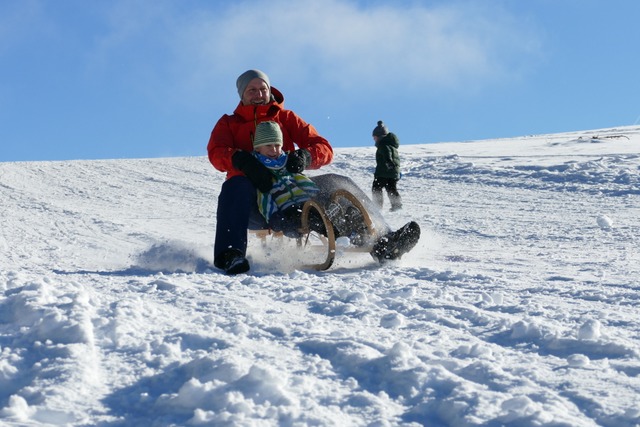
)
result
[(247, 76), (380, 130)]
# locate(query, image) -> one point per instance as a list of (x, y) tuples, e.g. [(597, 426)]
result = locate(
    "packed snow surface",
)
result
[(518, 307)]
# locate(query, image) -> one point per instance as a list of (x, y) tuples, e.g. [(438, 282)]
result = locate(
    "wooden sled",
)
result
[(325, 246)]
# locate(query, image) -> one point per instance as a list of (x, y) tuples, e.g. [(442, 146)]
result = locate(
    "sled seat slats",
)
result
[(266, 232)]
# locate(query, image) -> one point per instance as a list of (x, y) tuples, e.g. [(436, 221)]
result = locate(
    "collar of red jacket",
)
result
[(252, 112)]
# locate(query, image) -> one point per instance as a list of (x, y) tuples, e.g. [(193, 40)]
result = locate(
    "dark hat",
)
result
[(380, 130), (247, 76), (267, 133)]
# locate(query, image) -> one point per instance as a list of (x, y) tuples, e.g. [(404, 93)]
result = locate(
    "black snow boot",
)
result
[(232, 262), (397, 243)]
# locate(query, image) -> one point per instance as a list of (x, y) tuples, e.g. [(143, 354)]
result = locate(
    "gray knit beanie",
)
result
[(380, 130), (267, 133), (247, 76)]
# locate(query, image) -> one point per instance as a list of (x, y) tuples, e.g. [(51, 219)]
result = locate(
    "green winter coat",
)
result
[(387, 157)]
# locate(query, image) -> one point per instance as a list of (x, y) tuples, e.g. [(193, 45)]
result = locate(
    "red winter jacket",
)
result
[(235, 132)]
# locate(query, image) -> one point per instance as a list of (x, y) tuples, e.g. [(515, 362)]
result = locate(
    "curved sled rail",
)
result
[(330, 238)]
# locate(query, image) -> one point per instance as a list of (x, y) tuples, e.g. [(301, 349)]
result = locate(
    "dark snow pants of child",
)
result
[(388, 184)]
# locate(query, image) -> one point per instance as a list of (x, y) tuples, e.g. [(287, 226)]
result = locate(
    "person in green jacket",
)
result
[(387, 171)]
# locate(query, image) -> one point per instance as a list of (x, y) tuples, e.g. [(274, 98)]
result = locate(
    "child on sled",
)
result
[(282, 205)]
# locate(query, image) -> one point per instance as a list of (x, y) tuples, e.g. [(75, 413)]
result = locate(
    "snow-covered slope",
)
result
[(518, 307)]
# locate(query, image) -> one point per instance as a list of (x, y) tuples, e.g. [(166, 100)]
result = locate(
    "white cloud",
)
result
[(333, 43), (342, 44)]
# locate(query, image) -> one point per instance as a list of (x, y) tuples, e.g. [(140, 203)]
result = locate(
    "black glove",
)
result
[(259, 175), (298, 160)]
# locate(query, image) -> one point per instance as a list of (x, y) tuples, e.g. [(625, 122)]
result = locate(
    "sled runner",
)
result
[(343, 214), (363, 234)]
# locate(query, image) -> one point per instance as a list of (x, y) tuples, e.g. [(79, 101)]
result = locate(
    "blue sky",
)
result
[(139, 78)]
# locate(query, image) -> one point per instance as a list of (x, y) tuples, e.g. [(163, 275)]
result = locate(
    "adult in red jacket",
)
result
[(229, 151)]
